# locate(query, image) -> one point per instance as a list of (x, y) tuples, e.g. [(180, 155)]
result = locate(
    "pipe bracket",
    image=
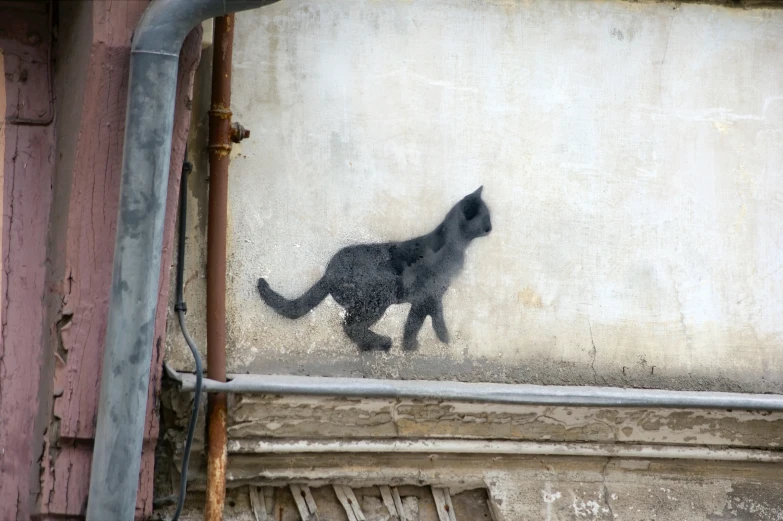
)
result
[(238, 132)]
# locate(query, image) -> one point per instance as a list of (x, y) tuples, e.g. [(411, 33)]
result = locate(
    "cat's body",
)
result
[(368, 278)]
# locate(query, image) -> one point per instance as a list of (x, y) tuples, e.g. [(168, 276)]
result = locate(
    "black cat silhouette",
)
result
[(366, 279)]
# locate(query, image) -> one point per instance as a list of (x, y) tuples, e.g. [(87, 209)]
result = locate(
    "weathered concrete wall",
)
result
[(262, 417), (631, 156), (254, 420)]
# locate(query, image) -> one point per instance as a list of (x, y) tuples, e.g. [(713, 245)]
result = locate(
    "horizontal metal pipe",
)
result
[(517, 394), (431, 446)]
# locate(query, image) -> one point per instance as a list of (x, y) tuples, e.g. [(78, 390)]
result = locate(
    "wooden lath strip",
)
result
[(398, 504), (443, 504), (350, 503), (257, 503), (305, 503), (391, 506)]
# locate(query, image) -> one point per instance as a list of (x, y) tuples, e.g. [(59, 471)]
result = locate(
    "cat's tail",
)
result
[(297, 307)]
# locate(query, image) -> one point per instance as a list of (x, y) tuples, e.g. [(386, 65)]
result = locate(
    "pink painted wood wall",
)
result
[(61, 188), (27, 179)]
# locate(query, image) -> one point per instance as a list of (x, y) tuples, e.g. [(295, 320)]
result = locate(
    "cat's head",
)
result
[(474, 216)]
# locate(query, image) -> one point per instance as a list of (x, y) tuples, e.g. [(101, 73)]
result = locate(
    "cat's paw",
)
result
[(410, 344), (382, 343), (385, 343)]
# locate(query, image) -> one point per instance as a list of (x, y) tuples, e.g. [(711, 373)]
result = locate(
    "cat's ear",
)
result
[(477, 193), (470, 206)]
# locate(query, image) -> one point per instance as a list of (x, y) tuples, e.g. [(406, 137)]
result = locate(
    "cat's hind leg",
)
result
[(357, 326), (439, 323)]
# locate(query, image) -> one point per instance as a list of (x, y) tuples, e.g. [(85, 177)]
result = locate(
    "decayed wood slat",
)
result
[(301, 504), (305, 503), (388, 500), (443, 503), (357, 509), (310, 500), (338, 489), (398, 504), (350, 503), (450, 505), (257, 503)]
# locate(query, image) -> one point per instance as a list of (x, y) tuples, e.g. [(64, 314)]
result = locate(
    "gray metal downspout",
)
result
[(119, 433)]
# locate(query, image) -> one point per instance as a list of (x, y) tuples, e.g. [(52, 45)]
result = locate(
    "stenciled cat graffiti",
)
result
[(366, 279)]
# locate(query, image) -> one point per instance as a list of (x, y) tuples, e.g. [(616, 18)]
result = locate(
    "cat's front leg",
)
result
[(413, 325), (439, 323)]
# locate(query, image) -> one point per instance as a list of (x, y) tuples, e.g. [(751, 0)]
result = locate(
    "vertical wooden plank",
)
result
[(2, 165), (94, 52), (26, 161)]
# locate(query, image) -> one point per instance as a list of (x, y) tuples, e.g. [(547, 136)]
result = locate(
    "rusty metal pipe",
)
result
[(219, 149)]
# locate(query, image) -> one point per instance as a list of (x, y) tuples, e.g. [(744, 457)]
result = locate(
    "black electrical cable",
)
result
[(181, 308)]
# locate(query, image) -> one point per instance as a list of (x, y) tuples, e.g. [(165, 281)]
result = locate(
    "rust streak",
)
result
[(217, 457)]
